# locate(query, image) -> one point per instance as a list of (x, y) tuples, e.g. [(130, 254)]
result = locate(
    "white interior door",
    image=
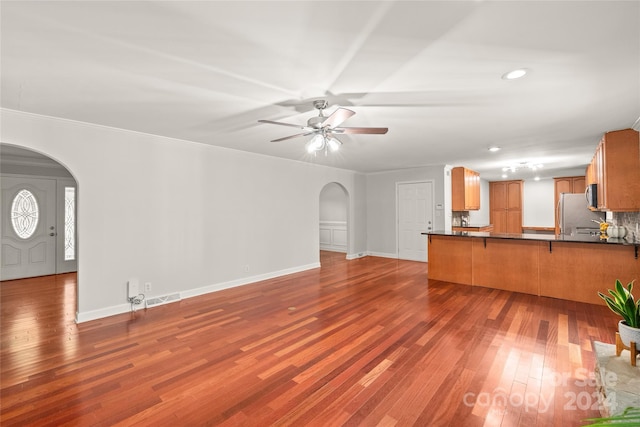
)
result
[(28, 227), (415, 216)]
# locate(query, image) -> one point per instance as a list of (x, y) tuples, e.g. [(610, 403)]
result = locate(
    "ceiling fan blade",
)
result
[(283, 124), (293, 136), (337, 117), (361, 130)]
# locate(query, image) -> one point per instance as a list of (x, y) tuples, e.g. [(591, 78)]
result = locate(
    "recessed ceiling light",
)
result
[(537, 178), (494, 149), (515, 74), (504, 175)]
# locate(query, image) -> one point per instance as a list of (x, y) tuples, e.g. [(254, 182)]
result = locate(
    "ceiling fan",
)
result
[(325, 129)]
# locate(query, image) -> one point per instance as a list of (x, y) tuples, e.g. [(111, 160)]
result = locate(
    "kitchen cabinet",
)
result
[(505, 200), (615, 168), (567, 184), (590, 174), (570, 270), (465, 189)]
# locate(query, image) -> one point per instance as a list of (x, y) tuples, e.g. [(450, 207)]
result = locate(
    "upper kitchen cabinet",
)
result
[(569, 184), (505, 201), (615, 169), (465, 189)]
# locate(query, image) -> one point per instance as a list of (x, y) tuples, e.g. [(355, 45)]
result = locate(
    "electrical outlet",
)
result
[(147, 287)]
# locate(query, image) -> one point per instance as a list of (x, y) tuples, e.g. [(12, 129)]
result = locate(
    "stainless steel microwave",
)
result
[(591, 193)]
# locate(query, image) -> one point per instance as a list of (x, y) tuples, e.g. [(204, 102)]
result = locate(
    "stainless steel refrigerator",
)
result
[(575, 217)]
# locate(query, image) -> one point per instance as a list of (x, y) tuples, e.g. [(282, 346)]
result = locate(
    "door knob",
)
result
[(52, 234)]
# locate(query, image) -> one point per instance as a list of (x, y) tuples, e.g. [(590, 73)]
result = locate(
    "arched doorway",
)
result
[(39, 196), (334, 218)]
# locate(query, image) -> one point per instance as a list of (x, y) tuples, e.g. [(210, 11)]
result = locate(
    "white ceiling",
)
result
[(430, 71)]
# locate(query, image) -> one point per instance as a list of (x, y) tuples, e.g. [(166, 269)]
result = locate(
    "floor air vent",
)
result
[(165, 299)]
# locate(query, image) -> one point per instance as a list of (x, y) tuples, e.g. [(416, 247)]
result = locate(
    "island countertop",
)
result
[(577, 238)]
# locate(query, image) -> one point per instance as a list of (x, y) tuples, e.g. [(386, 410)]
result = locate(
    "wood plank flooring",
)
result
[(367, 342)]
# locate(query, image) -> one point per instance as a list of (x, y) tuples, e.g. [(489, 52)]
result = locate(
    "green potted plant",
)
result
[(623, 303), (629, 418)]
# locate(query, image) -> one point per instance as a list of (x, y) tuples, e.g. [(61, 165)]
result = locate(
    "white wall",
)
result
[(538, 200), (333, 203), (381, 205), (188, 217), (447, 199), (481, 216)]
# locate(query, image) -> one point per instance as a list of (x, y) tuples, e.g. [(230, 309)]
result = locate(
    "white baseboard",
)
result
[(370, 253), (103, 312), (382, 254), (246, 280), (125, 308), (357, 255), (334, 249)]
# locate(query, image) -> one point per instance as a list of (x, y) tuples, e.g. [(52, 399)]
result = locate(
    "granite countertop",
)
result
[(473, 226), (578, 238)]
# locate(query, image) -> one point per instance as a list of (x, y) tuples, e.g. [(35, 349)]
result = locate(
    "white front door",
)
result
[(28, 227), (415, 216)]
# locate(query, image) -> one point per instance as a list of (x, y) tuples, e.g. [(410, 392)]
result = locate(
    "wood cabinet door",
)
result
[(505, 199), (499, 220), (498, 206), (563, 185), (475, 191), (599, 170), (514, 195), (498, 195), (465, 189), (579, 184), (620, 166), (514, 207), (469, 187), (457, 189), (514, 221), (590, 172)]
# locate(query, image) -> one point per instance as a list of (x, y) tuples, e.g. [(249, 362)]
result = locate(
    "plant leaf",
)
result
[(622, 303), (630, 417)]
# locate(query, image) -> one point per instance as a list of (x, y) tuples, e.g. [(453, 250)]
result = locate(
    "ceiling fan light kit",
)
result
[(324, 128), (323, 143)]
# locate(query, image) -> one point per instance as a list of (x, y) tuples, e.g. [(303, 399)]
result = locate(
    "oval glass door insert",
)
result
[(24, 214)]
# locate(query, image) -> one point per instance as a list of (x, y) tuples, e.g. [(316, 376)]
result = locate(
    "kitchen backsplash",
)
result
[(630, 220)]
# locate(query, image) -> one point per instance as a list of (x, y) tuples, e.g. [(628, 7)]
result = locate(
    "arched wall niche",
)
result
[(334, 218)]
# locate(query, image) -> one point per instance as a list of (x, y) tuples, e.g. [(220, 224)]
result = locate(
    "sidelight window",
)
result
[(69, 223)]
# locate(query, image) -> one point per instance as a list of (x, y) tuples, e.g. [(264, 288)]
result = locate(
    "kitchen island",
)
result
[(572, 268)]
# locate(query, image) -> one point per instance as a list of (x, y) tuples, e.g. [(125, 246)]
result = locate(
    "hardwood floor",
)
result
[(367, 342)]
